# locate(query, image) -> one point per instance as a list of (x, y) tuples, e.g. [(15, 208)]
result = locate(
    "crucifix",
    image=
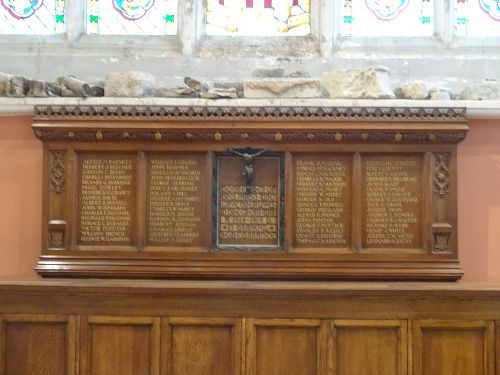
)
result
[(248, 171)]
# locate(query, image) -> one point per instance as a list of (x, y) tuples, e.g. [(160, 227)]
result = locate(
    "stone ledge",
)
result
[(488, 109)]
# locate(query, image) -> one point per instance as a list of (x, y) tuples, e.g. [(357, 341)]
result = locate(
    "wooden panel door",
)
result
[(370, 347), (286, 346), (201, 346), (453, 347), (120, 345), (41, 345)]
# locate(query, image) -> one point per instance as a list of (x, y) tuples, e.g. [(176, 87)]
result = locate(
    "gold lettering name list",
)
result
[(174, 199), (320, 202), (106, 189), (392, 195)]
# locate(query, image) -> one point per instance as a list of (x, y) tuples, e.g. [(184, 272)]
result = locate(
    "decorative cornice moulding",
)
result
[(248, 113)]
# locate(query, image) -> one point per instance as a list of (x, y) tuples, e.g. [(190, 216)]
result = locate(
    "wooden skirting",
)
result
[(178, 327)]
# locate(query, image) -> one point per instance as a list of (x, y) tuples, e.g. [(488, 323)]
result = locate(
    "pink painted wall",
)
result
[(478, 199), (20, 197)]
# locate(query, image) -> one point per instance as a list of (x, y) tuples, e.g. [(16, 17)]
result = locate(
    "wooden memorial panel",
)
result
[(175, 201), (307, 193), (392, 201), (106, 199), (248, 216), (322, 200)]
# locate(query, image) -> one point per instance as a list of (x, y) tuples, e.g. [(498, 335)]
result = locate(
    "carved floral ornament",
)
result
[(275, 113)]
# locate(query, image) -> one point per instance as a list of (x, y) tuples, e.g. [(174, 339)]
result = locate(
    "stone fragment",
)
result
[(230, 85), (283, 88), (130, 85), (42, 89), (72, 86), (368, 83), (96, 90), (440, 94), (195, 85), (217, 93), (412, 90), (17, 87), (179, 92), (4, 79), (488, 90), (299, 74), (268, 73)]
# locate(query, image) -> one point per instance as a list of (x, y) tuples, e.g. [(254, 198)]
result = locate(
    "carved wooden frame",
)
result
[(432, 133)]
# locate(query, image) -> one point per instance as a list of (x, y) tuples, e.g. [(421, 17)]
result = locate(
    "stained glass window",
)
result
[(258, 17), (373, 18), (32, 17), (132, 17), (477, 18)]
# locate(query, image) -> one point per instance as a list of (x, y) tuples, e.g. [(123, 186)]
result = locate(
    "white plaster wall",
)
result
[(440, 61)]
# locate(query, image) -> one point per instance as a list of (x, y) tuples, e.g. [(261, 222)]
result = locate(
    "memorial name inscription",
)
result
[(106, 195), (175, 204), (322, 200), (392, 200), (245, 218)]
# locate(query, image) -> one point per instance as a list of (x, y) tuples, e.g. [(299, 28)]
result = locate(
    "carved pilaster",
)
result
[(58, 171), (441, 173)]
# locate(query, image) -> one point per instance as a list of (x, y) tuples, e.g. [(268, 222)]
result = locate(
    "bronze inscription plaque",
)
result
[(248, 217), (392, 201), (322, 200), (174, 201), (106, 199)]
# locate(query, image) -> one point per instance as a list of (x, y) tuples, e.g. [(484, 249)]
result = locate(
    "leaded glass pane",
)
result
[(32, 17), (132, 17), (480, 18), (258, 17), (373, 18)]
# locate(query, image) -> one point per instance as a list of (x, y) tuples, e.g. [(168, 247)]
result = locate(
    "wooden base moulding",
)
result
[(250, 192)]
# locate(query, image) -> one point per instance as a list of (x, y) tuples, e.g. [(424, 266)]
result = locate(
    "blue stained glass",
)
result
[(32, 17)]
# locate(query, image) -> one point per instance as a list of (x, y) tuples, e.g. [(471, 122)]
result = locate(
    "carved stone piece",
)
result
[(283, 88), (179, 92), (195, 85), (412, 90), (4, 79), (72, 86), (488, 90), (132, 84), (440, 94), (369, 83), (58, 171), (42, 89), (216, 93), (229, 85), (441, 174), (17, 87)]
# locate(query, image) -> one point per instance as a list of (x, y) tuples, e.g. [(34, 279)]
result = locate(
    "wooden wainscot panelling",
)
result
[(370, 347), (41, 345), (120, 345), (453, 347), (497, 346), (286, 346), (199, 346)]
